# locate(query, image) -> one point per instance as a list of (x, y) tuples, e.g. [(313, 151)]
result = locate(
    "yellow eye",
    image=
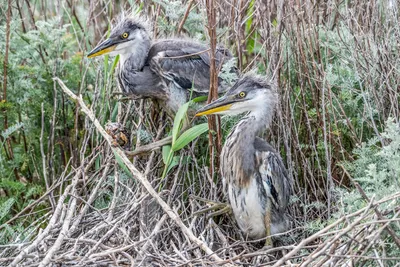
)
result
[(125, 35), (242, 94)]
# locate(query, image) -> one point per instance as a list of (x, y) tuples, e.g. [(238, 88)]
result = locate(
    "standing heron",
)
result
[(165, 70), (259, 187)]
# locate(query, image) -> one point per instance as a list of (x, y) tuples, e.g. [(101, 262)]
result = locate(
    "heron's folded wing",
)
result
[(186, 63), (274, 173), (141, 84)]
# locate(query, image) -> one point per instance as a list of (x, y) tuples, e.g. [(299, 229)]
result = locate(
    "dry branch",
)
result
[(150, 147), (139, 176), (215, 145)]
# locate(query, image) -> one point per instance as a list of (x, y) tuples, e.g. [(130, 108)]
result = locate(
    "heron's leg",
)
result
[(218, 207), (267, 221)]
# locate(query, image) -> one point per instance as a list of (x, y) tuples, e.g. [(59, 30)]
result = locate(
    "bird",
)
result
[(165, 70), (254, 175)]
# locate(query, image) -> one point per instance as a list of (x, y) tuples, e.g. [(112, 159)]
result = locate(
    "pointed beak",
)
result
[(104, 48), (217, 107)]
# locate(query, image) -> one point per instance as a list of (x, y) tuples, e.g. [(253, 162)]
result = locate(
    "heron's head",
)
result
[(129, 34), (251, 93)]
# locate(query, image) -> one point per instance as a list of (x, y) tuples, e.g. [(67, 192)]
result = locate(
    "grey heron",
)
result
[(258, 185), (164, 70)]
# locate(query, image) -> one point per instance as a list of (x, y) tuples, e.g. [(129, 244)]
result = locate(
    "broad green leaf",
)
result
[(189, 136), (179, 117), (165, 153)]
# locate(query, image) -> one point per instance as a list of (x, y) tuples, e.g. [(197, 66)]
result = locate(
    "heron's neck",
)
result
[(135, 56), (255, 122), (239, 147), (132, 62)]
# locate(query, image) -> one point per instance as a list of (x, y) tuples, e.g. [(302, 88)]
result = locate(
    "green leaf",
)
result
[(105, 64), (199, 99), (189, 136), (179, 117), (174, 162), (249, 22), (5, 207), (97, 163), (122, 165), (165, 153), (114, 112), (11, 130), (114, 65), (250, 13)]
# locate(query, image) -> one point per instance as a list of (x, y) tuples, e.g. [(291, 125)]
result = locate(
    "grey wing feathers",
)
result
[(185, 63), (141, 84), (274, 173)]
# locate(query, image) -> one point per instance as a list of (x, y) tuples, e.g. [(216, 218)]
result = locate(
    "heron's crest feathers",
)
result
[(131, 20)]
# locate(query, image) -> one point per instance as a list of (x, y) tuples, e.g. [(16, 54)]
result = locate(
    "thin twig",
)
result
[(185, 17)]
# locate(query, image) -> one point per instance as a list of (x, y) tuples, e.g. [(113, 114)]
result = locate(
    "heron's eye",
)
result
[(242, 94), (124, 35)]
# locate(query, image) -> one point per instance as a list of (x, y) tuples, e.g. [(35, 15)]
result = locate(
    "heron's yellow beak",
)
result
[(104, 48), (216, 107)]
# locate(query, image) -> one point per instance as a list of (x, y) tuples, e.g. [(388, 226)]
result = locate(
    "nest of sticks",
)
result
[(123, 214)]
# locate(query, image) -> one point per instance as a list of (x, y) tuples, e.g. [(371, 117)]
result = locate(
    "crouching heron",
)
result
[(257, 181), (165, 70)]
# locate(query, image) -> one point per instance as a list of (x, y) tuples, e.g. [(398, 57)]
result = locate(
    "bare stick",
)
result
[(309, 239), (150, 147), (215, 146), (119, 153), (44, 156), (64, 231), (185, 17), (49, 227)]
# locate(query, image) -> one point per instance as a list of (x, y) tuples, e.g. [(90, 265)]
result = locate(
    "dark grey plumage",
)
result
[(257, 182), (165, 70)]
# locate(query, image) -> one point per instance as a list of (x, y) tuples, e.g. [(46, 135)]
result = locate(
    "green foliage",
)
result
[(377, 170), (228, 77), (189, 135), (11, 130), (5, 208), (377, 167), (174, 12), (180, 140), (45, 50)]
